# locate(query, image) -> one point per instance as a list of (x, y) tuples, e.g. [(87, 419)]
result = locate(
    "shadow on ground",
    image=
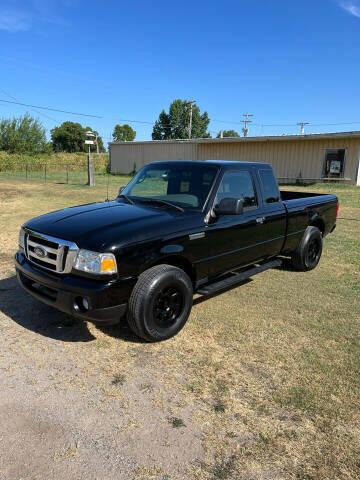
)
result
[(33, 315), (286, 266)]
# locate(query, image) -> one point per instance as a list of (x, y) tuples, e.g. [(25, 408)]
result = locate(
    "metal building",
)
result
[(302, 158)]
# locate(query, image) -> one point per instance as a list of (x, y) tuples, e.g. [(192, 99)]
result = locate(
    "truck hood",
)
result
[(109, 225)]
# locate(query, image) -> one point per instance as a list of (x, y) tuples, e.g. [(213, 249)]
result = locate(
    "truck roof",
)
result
[(219, 163)]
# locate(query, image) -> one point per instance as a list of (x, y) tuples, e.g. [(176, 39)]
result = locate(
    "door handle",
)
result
[(260, 220)]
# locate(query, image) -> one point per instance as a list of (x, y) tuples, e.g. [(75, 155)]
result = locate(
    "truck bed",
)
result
[(304, 209), (291, 195)]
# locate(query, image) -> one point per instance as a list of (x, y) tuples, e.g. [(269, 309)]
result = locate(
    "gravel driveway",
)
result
[(79, 402)]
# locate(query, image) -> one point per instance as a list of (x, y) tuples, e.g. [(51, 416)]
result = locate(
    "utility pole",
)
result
[(245, 122), (302, 125), (191, 102)]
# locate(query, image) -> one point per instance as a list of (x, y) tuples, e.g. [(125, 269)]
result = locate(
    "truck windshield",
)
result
[(185, 185)]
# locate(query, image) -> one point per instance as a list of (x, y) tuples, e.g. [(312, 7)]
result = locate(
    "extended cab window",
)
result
[(238, 184), (270, 186), (187, 186)]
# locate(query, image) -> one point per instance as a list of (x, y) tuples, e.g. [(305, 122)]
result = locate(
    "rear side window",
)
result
[(237, 185), (270, 186)]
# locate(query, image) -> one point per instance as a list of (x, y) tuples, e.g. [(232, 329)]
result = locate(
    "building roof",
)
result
[(311, 136)]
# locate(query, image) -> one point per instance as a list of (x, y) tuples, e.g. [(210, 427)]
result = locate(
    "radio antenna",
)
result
[(107, 186)]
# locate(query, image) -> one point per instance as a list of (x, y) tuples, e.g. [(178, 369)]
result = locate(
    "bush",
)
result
[(74, 162)]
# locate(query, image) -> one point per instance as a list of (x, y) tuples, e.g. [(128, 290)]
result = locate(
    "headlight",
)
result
[(22, 238), (98, 263)]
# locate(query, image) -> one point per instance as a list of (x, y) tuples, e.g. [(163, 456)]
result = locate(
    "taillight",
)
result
[(337, 209)]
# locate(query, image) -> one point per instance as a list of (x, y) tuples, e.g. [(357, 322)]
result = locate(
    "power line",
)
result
[(144, 122), (51, 109), (33, 109)]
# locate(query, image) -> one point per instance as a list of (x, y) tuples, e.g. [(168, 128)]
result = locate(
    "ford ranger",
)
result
[(178, 228)]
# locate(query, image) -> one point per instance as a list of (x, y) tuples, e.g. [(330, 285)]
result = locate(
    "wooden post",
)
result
[(45, 172), (91, 171), (26, 171), (67, 173)]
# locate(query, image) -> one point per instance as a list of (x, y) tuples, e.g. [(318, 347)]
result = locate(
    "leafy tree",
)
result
[(23, 135), (162, 128), (228, 133), (123, 133), (70, 137), (175, 124)]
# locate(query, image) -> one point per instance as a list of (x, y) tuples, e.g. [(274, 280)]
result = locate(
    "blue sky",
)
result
[(282, 60)]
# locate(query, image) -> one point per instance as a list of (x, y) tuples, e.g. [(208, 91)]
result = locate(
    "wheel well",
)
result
[(177, 261), (319, 224)]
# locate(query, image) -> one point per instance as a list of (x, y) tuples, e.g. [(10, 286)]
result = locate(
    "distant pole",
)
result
[(67, 173), (90, 163), (91, 170), (191, 102), (45, 172), (302, 126), (245, 122)]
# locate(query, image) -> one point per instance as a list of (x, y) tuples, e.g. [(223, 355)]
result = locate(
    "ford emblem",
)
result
[(40, 252)]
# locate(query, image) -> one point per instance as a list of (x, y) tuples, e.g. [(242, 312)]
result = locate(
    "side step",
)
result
[(239, 277)]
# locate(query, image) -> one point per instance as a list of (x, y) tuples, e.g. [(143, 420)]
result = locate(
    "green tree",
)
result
[(162, 128), (175, 124), (228, 133), (23, 135), (70, 137), (123, 133)]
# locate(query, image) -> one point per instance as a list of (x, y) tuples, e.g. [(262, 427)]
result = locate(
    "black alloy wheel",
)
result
[(168, 306)]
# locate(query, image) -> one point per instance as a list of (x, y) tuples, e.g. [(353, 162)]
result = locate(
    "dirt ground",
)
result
[(261, 384), (64, 412)]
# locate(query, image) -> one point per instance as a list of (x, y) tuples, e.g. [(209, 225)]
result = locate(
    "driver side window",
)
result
[(238, 184)]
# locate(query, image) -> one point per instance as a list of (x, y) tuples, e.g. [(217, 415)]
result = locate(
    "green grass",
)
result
[(177, 422), (118, 379), (275, 362)]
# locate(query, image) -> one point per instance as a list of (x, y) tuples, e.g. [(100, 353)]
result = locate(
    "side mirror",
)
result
[(229, 206), (121, 189)]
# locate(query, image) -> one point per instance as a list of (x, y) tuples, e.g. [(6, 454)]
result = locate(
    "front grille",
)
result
[(50, 253)]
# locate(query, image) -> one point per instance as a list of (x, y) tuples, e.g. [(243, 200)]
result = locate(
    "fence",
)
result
[(50, 172)]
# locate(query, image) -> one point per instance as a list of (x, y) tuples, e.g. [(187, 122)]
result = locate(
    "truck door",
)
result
[(273, 214), (236, 240)]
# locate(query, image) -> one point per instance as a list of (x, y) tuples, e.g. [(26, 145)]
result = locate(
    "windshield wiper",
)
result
[(162, 202), (128, 199)]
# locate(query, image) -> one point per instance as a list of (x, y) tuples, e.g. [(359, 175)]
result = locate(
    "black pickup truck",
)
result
[(178, 228)]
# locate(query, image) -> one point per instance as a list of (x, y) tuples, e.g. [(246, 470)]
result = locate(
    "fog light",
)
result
[(81, 304)]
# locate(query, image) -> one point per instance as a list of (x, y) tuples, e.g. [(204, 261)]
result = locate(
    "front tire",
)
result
[(160, 303), (308, 253)]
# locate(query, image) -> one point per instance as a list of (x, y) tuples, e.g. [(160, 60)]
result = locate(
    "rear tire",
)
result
[(308, 253), (160, 303)]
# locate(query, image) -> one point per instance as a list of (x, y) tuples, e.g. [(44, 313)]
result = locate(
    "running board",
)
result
[(237, 278)]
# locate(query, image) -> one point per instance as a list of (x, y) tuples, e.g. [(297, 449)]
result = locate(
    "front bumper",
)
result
[(107, 299)]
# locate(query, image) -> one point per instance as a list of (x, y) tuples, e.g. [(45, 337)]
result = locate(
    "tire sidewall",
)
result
[(312, 234), (172, 277)]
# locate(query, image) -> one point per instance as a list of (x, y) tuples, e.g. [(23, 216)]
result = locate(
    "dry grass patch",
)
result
[(265, 376)]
